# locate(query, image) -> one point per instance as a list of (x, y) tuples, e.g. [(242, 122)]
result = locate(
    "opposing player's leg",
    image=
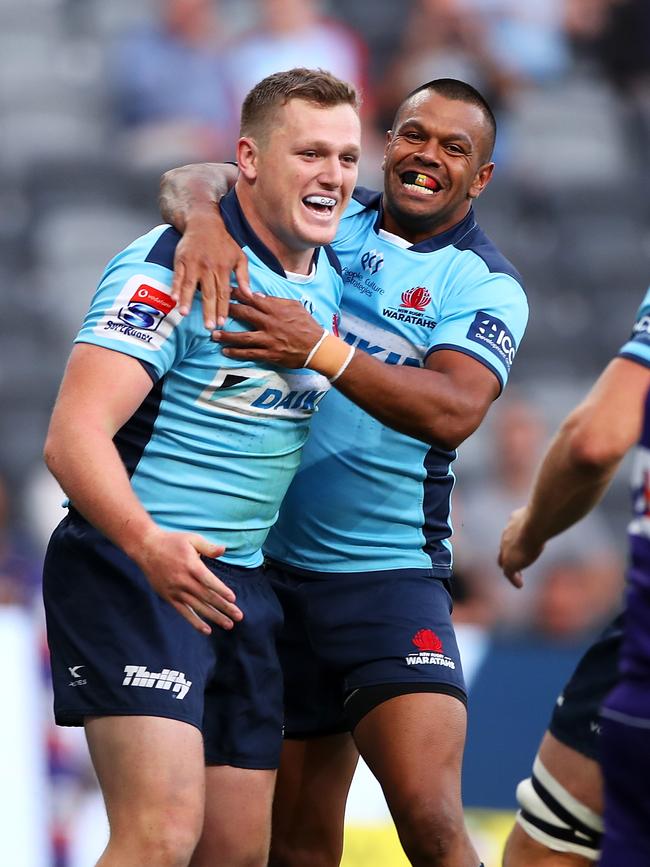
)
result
[(559, 823), (561, 804), (237, 827), (419, 772), (309, 808), (152, 774)]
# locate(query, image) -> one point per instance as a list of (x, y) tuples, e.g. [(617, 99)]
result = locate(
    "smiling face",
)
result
[(435, 162), (296, 180)]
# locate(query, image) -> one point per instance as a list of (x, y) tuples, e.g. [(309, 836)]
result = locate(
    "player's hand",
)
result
[(517, 551), (282, 331), (172, 563), (206, 256)]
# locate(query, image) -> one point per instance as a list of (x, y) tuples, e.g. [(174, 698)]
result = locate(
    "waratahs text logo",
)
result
[(430, 651), (417, 298)]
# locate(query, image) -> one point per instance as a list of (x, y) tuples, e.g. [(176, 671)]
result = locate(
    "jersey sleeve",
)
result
[(133, 312), (485, 319), (637, 347)]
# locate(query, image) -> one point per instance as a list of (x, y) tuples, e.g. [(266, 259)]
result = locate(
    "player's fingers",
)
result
[(212, 591), (186, 283), (177, 284), (248, 313), (205, 547), (515, 578), (222, 300), (192, 618), (244, 339), (241, 273), (205, 612), (209, 292)]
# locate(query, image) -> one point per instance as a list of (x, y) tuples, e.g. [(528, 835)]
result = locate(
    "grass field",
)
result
[(378, 845)]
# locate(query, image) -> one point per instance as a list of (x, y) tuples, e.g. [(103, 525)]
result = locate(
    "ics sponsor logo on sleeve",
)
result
[(494, 335)]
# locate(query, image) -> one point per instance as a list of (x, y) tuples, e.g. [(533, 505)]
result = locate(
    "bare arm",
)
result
[(442, 403), (101, 389), (579, 464), (206, 255)]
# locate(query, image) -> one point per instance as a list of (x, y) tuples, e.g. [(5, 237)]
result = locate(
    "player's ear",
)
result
[(247, 155), (481, 180)]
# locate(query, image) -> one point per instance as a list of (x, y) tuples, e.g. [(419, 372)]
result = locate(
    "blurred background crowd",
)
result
[(97, 98)]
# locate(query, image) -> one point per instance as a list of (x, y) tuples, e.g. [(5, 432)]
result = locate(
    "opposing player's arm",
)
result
[(442, 403), (206, 255), (101, 390), (579, 464)]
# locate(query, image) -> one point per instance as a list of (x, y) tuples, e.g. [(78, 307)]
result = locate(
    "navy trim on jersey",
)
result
[(435, 460), (132, 438), (632, 357), (478, 242), (240, 229), (465, 235), (333, 259), (471, 354), (370, 199), (162, 252)]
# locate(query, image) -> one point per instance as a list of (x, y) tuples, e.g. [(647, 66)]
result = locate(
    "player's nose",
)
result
[(331, 174)]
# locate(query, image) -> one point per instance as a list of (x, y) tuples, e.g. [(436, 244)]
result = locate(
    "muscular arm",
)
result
[(206, 255), (442, 403), (101, 390), (579, 464)]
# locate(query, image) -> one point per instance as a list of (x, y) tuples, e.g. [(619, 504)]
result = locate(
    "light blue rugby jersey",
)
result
[(215, 444), (637, 348), (367, 497)]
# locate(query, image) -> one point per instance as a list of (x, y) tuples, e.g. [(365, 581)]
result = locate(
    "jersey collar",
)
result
[(451, 236)]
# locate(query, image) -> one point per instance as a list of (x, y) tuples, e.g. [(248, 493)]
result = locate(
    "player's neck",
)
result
[(297, 261), (417, 229)]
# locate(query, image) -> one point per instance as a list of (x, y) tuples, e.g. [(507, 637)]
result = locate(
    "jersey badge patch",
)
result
[(494, 335), (641, 330), (143, 313)]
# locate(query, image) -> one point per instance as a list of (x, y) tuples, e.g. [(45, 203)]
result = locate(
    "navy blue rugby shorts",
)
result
[(576, 718), (347, 631), (118, 649)]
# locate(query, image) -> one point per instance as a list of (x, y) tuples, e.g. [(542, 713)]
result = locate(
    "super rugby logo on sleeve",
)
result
[(143, 312), (495, 335)]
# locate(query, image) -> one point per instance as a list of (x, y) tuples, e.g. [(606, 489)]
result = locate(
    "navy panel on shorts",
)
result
[(117, 648), (346, 631), (576, 717)]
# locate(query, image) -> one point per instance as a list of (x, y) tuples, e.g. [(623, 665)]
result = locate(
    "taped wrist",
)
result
[(329, 356)]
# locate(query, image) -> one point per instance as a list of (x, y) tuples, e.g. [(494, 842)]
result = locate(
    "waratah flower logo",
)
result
[(416, 298), (426, 639)]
